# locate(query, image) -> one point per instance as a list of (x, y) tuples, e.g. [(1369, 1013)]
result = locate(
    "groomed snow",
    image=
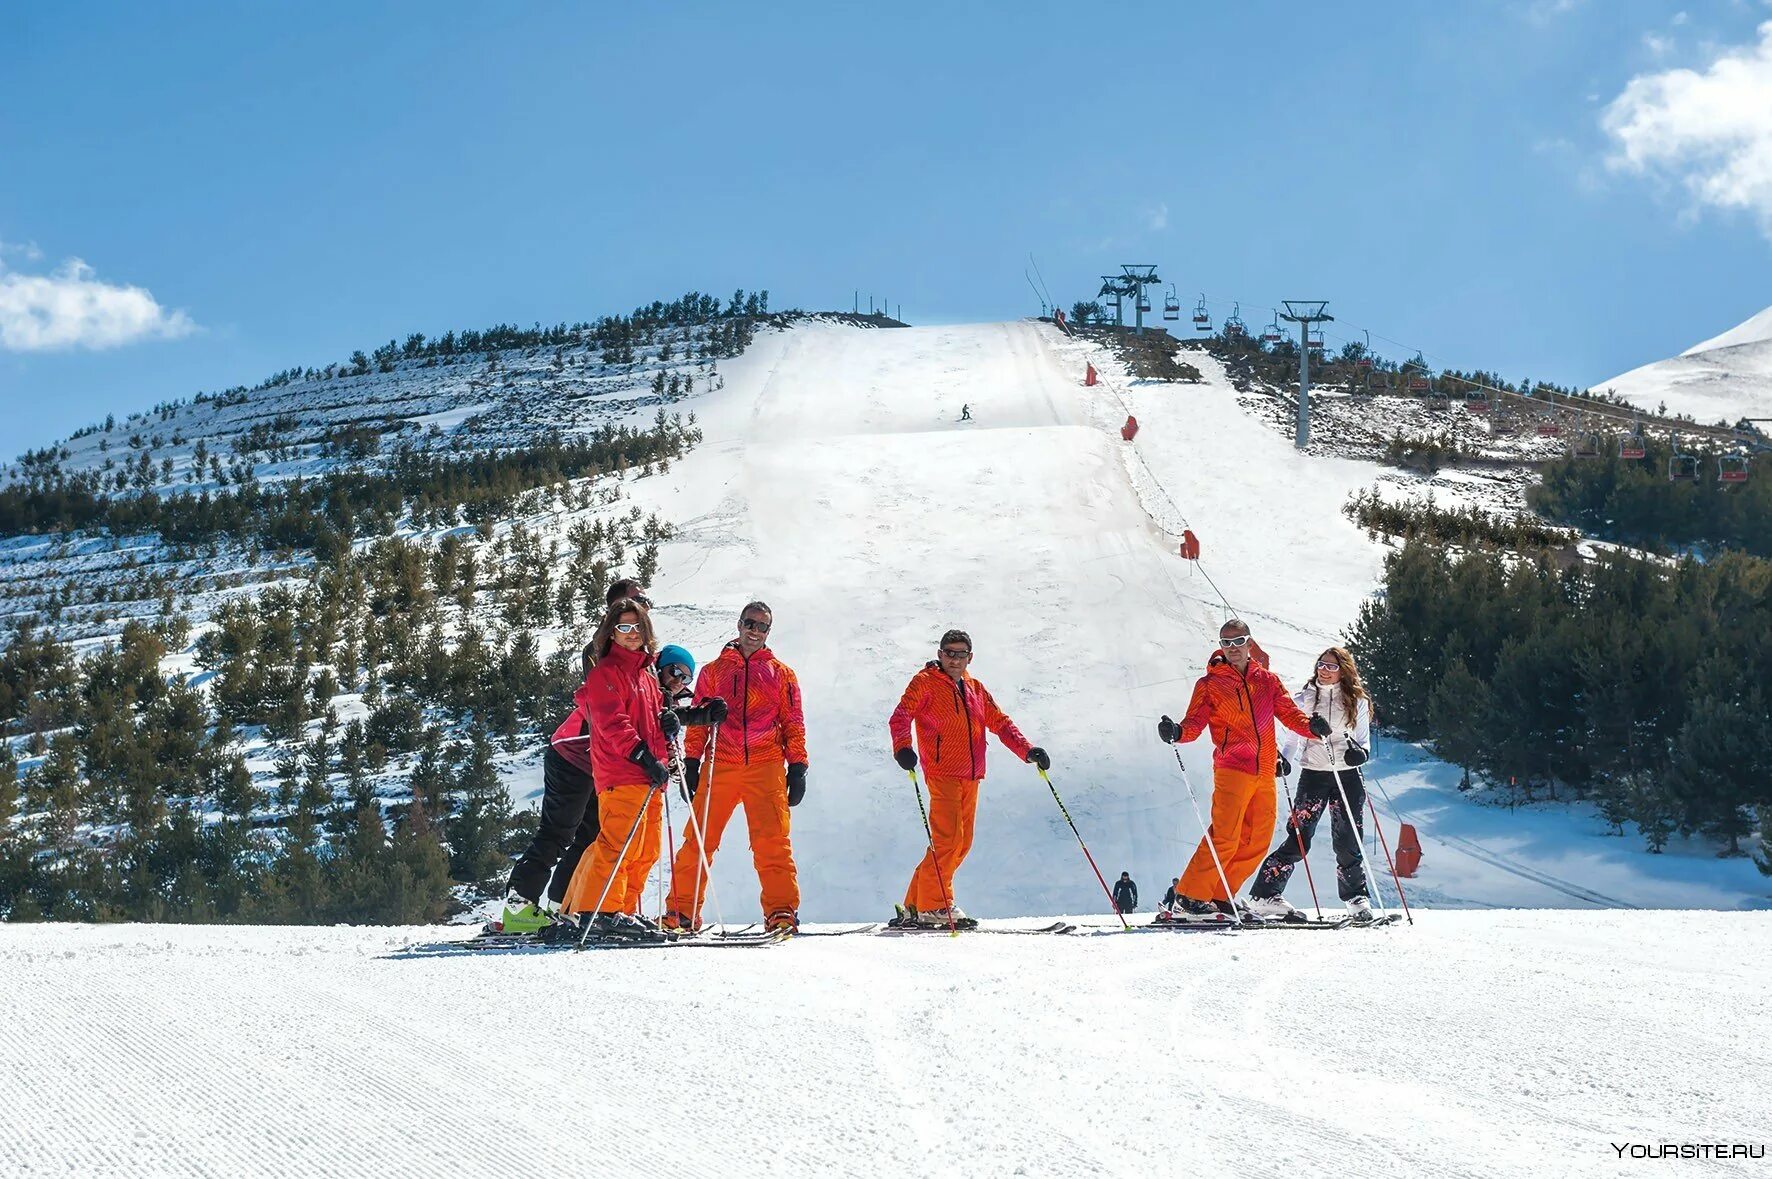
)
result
[(1725, 378), (1479, 1044)]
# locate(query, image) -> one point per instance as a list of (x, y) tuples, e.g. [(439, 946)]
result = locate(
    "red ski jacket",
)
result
[(951, 719), (1241, 710), (764, 718), (622, 699), (572, 739)]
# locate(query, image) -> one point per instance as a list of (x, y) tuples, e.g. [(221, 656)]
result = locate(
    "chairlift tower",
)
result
[(1113, 287), (1305, 312), (1137, 277)]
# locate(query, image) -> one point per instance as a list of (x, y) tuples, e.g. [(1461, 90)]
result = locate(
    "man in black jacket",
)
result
[(1125, 893)]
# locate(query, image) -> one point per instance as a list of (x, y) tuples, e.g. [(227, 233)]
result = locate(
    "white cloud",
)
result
[(1657, 45), (1679, 19), (1156, 218), (1544, 11), (70, 308), (1709, 130)]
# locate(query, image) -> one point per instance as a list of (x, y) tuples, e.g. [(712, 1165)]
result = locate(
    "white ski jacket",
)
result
[(1325, 700)]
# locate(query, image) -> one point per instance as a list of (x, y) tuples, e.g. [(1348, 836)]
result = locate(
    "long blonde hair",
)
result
[(1352, 690)]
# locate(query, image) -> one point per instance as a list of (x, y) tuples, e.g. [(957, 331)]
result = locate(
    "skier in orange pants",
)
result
[(951, 712), (1240, 699), (759, 763)]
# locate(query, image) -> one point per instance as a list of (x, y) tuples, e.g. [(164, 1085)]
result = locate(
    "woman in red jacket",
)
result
[(621, 699), (951, 712)]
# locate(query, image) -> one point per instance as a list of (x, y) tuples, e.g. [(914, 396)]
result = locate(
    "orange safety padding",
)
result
[(1190, 545), (1130, 430), (1242, 820), (953, 804), (762, 789), (1408, 851), (1089, 374)]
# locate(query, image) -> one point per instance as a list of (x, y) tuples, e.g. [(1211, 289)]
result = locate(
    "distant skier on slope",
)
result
[(759, 763), (1239, 699), (622, 698), (1336, 694), (951, 712), (568, 821), (966, 413), (1125, 893)]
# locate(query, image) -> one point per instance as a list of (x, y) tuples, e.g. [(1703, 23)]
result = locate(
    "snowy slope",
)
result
[(1474, 1044), (838, 484), (1724, 378)]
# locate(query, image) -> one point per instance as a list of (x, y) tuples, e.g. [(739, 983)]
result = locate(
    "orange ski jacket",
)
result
[(764, 717), (951, 719), (1241, 711)]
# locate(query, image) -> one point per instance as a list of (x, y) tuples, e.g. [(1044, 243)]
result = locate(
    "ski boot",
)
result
[(521, 916), (1272, 909), (678, 924), (943, 918), (1359, 911), (782, 919), (618, 927)]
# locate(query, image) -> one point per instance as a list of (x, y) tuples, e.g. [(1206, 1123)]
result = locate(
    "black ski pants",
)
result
[(1317, 793), (568, 827)]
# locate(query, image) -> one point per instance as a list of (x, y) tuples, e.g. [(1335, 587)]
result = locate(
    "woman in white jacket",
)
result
[(1335, 694)]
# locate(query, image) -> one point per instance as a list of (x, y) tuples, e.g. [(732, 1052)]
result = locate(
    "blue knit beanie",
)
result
[(675, 654)]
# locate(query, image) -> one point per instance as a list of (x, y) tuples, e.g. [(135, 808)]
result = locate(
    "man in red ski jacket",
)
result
[(1239, 699)]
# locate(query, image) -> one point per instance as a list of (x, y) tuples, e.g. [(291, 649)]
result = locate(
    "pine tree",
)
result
[(481, 828)]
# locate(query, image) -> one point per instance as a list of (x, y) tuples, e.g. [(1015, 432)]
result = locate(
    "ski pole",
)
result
[(1378, 825), (704, 868), (940, 881), (670, 842), (1352, 817), (1212, 847), (639, 818), (1085, 847), (1292, 822)]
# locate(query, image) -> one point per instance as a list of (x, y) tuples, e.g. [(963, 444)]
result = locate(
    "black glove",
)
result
[(1168, 731), (1039, 758), (667, 720), (655, 771), (796, 782), (691, 775), (906, 758), (1355, 756), (709, 712), (1285, 767), (1319, 726)]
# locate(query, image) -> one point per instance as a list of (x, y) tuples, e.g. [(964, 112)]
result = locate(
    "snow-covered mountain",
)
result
[(1723, 379)]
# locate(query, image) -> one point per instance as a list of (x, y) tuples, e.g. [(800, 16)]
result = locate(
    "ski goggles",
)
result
[(1238, 641), (675, 671), (1329, 665)]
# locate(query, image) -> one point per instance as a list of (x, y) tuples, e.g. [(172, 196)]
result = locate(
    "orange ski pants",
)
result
[(1241, 828), (624, 874), (762, 789), (953, 803)]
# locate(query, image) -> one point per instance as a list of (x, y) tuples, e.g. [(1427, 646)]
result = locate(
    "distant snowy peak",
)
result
[(1724, 379), (1755, 329)]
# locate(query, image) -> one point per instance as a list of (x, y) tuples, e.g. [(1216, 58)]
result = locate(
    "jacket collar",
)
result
[(627, 660)]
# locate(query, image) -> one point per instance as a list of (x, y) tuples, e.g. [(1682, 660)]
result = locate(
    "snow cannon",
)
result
[(1089, 377), (1408, 851), (1130, 430), (1190, 545)]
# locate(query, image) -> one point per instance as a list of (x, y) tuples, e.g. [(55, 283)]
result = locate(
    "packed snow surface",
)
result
[(1725, 378), (1479, 1044)]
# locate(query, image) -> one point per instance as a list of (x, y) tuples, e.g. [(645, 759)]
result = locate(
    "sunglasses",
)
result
[(627, 628), (1239, 641), (644, 601), (752, 624), (1329, 666), (675, 671), (950, 653)]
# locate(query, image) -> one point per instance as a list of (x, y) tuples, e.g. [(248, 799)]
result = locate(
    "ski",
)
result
[(1057, 927), (868, 928), (1173, 927), (1308, 923), (1387, 919)]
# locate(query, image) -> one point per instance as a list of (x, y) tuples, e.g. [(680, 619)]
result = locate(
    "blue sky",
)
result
[(1518, 185)]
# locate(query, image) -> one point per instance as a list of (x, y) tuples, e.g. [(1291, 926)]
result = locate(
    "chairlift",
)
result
[(1202, 321), (1234, 325), (1732, 468), (1364, 363), (1682, 465), (1418, 383), (1633, 446), (1589, 445), (1144, 301), (1315, 342), (1271, 333), (1549, 430), (1476, 399), (1171, 304)]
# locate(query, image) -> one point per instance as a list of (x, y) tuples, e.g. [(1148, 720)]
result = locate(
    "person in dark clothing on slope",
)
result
[(1125, 893), (1174, 891)]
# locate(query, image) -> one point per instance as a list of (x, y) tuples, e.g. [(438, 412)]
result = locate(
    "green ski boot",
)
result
[(521, 916)]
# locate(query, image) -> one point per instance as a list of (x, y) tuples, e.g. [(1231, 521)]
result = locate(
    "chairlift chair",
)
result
[(1588, 446), (1234, 325), (1419, 384), (1171, 304), (1732, 468), (1633, 446), (1144, 302), (1549, 430), (1476, 400), (1682, 465), (1202, 321), (1315, 342)]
